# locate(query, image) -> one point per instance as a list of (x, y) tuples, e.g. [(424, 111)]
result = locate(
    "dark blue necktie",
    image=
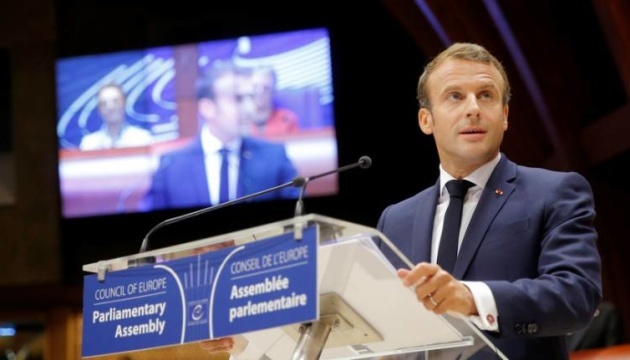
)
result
[(452, 220), (224, 181)]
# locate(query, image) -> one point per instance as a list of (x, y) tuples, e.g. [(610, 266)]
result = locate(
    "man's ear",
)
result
[(206, 108), (425, 121)]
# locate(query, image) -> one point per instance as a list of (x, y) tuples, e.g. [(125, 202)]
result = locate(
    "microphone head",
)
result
[(299, 181), (365, 162)]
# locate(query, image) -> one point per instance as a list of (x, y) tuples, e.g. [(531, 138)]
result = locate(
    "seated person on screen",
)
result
[(268, 118), (116, 132), (191, 176)]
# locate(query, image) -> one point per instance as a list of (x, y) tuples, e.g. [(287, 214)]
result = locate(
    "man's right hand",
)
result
[(217, 345), (438, 290)]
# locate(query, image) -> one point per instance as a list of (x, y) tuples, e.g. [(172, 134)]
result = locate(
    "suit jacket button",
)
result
[(518, 329), (532, 328)]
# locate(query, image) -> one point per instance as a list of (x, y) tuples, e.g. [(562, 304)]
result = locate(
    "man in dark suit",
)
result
[(527, 269), (189, 177)]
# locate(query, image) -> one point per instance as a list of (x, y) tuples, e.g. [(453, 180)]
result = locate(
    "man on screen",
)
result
[(194, 176), (116, 131)]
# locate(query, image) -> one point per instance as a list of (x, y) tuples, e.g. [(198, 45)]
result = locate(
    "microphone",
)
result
[(364, 162), (296, 182)]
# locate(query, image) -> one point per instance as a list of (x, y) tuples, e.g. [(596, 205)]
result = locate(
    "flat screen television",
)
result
[(158, 85)]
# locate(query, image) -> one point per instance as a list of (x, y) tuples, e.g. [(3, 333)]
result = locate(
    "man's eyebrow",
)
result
[(450, 88), (455, 88), (489, 85)]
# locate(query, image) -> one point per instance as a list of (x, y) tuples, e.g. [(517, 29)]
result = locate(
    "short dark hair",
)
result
[(462, 51), (204, 87)]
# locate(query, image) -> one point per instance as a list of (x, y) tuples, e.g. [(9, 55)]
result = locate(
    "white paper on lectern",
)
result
[(357, 271)]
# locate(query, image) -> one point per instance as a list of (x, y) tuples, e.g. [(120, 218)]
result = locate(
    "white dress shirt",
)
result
[(129, 136), (211, 146), (484, 300)]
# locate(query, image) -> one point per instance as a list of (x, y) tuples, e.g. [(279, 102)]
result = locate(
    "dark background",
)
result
[(6, 140), (568, 62)]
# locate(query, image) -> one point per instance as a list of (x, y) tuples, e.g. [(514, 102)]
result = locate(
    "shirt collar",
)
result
[(211, 145), (479, 177)]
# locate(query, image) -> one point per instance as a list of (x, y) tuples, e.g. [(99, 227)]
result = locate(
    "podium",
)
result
[(309, 287)]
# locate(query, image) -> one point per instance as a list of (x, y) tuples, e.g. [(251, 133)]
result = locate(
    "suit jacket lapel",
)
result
[(246, 155), (494, 195), (198, 173), (423, 225)]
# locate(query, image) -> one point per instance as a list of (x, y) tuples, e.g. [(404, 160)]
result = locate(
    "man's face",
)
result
[(222, 116), (467, 117), (111, 105), (244, 88)]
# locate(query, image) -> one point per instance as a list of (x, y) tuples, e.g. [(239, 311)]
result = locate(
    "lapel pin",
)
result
[(498, 192)]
